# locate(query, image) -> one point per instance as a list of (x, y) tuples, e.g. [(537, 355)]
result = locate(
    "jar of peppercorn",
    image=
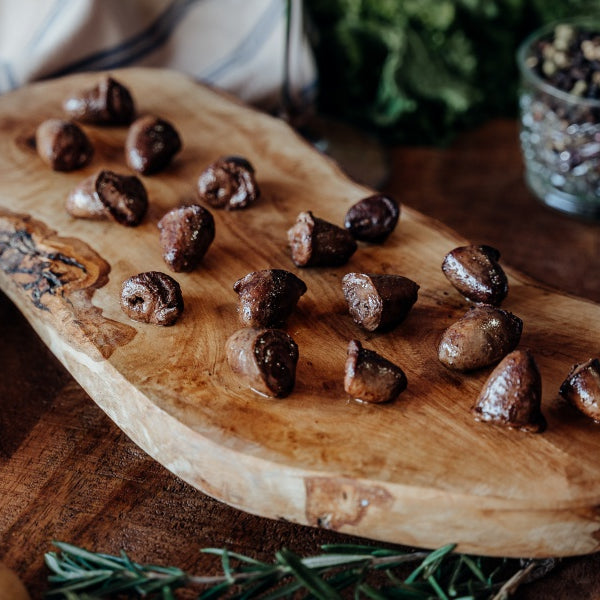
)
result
[(560, 115)]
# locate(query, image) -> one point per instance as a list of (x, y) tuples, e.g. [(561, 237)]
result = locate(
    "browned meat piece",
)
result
[(124, 197), (370, 377), (152, 297), (582, 388), (483, 336), (63, 145), (83, 201), (265, 359), (379, 301), (108, 194), (474, 271), (318, 243), (372, 219), (229, 183), (512, 395), (268, 297), (107, 103), (186, 233), (151, 144)]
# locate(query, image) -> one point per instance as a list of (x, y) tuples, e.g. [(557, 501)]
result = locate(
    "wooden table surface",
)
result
[(68, 473)]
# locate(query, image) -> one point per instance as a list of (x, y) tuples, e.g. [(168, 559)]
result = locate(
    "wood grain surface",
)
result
[(418, 471)]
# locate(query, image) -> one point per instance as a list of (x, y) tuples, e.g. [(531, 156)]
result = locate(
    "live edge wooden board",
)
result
[(418, 471)]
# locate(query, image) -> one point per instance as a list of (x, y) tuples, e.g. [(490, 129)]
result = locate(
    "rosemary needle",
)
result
[(340, 571)]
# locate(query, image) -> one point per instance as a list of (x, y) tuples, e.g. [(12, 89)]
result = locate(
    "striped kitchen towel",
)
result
[(237, 45)]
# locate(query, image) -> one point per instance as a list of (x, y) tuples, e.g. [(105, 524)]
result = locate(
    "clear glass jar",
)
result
[(560, 136)]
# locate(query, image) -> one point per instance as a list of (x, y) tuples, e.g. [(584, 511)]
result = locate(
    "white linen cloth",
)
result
[(237, 45)]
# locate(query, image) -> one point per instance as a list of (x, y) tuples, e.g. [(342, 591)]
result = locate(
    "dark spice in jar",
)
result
[(265, 359), (372, 219), (512, 394), (63, 145), (186, 233), (560, 117), (475, 272), (569, 59), (268, 297), (229, 183), (107, 103), (315, 242), (370, 377), (151, 144), (152, 297), (582, 388), (379, 301)]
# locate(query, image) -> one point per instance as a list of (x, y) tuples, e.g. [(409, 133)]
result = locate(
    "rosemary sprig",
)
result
[(342, 570)]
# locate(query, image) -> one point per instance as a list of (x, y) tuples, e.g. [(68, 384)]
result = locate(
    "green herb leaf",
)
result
[(215, 592), (419, 71), (432, 560), (317, 586), (78, 574)]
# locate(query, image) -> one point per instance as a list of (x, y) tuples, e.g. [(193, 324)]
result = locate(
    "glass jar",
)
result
[(560, 135)]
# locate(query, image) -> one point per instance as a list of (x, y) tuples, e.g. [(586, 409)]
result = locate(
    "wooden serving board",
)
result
[(418, 471)]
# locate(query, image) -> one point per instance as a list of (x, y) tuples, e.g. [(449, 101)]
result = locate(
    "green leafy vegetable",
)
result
[(421, 70)]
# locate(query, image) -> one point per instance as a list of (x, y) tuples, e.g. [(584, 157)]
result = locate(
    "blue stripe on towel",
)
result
[(49, 21), (8, 81), (250, 45), (310, 89), (135, 47)]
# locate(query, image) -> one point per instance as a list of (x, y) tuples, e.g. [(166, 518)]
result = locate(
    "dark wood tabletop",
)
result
[(68, 473)]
